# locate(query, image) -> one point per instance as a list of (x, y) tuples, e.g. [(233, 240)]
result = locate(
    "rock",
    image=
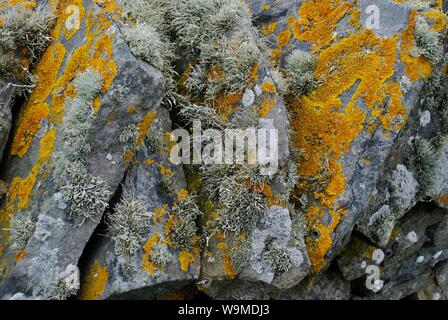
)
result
[(146, 279), (59, 240)]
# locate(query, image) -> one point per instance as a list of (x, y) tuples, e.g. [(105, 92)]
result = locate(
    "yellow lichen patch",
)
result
[(29, 126), (324, 129), (415, 67), (266, 107), (317, 21), (147, 264), (159, 213), (21, 189), (185, 259), (228, 268), (442, 199), (266, 7), (439, 19), (268, 29), (318, 248), (94, 284), (182, 195), (20, 255), (95, 54), (224, 104), (268, 87), (165, 171), (144, 126), (283, 38)]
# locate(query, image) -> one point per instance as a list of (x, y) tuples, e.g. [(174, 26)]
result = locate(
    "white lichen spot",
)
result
[(109, 157), (248, 98), (436, 296), (412, 237), (363, 265), (420, 260), (425, 118), (258, 90)]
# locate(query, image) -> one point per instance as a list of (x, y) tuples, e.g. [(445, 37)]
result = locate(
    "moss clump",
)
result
[(278, 257), (128, 226), (426, 41), (300, 67), (22, 228)]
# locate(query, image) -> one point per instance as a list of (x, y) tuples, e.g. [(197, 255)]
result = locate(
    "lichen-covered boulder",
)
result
[(367, 81), (66, 159)]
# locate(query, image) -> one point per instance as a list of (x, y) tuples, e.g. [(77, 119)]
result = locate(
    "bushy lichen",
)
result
[(145, 43), (87, 194), (278, 257), (426, 41), (79, 115), (160, 255), (24, 33), (22, 228), (184, 229), (128, 226), (424, 162), (128, 137), (26, 28), (300, 72), (240, 251)]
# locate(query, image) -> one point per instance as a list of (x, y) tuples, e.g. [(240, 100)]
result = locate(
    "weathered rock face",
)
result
[(38, 148), (95, 208)]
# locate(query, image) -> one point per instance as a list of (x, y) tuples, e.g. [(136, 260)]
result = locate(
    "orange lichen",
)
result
[(182, 195), (439, 19), (268, 29), (228, 268), (224, 104), (266, 107), (159, 213), (144, 126), (94, 284), (20, 255), (324, 128), (318, 20), (95, 54), (29, 126), (415, 67), (165, 171), (268, 87), (185, 259), (147, 264), (283, 38)]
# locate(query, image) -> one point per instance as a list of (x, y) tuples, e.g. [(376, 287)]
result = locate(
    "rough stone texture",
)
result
[(369, 142), (142, 181), (59, 241)]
